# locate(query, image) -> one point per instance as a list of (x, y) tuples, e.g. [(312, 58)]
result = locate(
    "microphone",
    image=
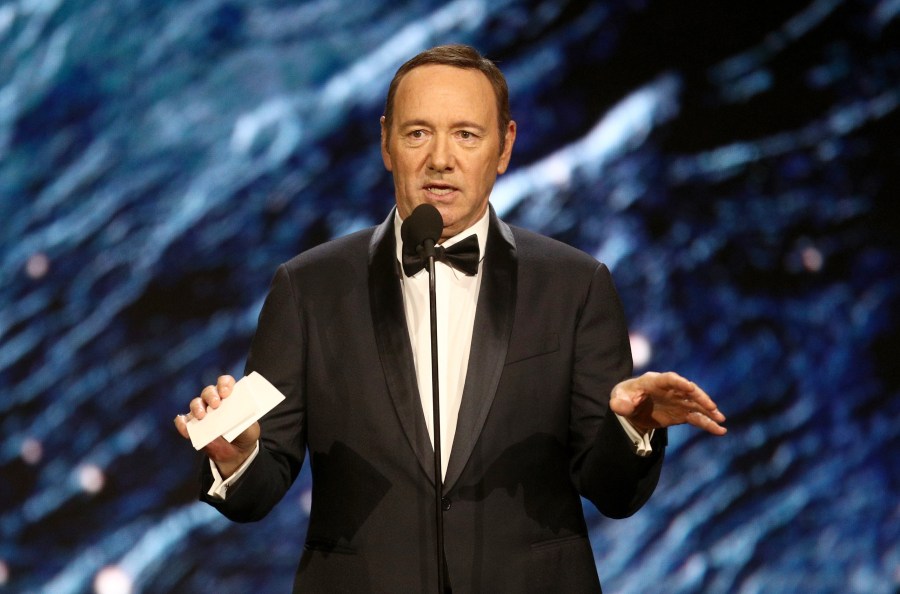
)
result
[(421, 231)]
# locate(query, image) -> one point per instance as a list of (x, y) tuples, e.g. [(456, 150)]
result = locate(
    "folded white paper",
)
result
[(252, 397)]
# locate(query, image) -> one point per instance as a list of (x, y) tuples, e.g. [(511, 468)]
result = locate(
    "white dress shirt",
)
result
[(457, 297)]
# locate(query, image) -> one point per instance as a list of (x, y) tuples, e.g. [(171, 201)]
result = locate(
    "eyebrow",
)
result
[(427, 124)]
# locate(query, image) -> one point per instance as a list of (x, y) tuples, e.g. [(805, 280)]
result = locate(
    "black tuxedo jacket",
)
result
[(534, 430)]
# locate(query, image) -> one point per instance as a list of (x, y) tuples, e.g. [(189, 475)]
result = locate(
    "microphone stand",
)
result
[(436, 419)]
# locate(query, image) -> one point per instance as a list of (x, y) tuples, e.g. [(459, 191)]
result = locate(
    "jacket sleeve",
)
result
[(278, 354), (604, 467)]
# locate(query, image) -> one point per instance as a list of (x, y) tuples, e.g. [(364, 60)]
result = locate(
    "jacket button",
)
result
[(445, 503)]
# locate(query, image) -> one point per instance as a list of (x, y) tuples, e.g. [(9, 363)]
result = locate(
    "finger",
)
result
[(672, 381), (667, 385), (210, 396), (701, 421), (690, 407), (702, 399), (181, 425), (198, 408), (224, 385), (681, 386), (717, 415)]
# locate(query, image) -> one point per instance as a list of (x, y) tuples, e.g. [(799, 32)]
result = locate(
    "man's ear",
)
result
[(385, 153), (507, 147)]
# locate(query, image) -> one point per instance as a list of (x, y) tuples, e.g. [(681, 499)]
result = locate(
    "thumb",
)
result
[(248, 438), (621, 405)]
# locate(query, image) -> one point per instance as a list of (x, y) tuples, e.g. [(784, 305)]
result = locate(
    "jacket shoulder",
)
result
[(343, 253), (534, 249)]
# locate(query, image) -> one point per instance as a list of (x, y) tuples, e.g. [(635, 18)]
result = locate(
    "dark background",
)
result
[(735, 164)]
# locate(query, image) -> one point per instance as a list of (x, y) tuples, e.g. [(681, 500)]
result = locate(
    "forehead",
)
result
[(436, 91)]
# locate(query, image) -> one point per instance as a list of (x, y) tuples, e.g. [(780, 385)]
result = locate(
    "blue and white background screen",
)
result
[(736, 164)]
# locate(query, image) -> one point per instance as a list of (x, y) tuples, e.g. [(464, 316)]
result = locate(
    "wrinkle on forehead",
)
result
[(468, 101)]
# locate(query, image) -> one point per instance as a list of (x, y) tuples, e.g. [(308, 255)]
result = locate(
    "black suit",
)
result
[(534, 428)]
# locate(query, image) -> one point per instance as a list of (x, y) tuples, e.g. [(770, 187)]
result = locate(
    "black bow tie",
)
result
[(463, 255)]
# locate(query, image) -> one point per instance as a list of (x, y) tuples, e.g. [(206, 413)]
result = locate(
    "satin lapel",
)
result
[(394, 348), (490, 340)]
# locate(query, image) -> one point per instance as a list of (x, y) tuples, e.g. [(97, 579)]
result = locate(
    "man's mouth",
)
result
[(439, 190)]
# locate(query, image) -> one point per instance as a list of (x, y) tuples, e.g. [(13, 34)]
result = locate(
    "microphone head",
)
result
[(423, 223)]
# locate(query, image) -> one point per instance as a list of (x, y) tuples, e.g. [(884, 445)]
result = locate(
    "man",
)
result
[(534, 361)]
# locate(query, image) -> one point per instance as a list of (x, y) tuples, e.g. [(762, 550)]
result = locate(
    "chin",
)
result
[(447, 215)]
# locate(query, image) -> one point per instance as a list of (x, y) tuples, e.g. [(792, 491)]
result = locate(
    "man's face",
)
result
[(444, 146)]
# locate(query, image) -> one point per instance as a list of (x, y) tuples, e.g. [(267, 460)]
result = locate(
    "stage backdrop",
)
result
[(734, 163)]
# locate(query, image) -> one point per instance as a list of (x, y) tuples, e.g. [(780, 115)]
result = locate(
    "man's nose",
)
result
[(440, 157)]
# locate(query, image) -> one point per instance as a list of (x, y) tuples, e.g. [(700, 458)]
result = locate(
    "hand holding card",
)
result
[(251, 398)]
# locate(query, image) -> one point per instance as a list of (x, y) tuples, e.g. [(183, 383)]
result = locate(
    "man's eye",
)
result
[(466, 135), (417, 134)]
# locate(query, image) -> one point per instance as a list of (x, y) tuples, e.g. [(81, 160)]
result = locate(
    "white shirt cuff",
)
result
[(220, 486), (641, 442)]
